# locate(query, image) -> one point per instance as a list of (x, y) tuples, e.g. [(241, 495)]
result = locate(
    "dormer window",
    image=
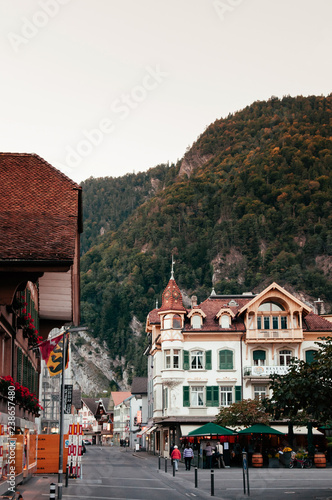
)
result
[(225, 321), (196, 321)]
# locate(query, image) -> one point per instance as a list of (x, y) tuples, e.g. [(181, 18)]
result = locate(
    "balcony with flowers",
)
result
[(25, 401)]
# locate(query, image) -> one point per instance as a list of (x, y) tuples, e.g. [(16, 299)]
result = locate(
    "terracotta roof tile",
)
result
[(172, 298), (39, 210), (120, 396), (315, 323)]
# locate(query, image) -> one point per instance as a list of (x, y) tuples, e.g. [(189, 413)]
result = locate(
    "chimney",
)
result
[(319, 306), (193, 301)]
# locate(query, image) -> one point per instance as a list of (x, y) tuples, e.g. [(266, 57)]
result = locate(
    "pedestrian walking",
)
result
[(208, 455), (220, 455), (176, 455), (188, 455)]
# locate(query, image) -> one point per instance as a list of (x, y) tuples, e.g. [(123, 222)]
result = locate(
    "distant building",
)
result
[(219, 352), (40, 226), (139, 412), (97, 420)]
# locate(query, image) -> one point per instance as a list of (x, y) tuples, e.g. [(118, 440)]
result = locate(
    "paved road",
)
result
[(118, 473)]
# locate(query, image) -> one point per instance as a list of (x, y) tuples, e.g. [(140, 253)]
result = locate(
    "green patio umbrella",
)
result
[(212, 429), (261, 429)]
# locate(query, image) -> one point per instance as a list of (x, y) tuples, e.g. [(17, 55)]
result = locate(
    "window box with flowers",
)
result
[(30, 332), (23, 397)]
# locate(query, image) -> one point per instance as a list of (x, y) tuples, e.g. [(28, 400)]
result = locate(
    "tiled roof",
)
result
[(139, 385), (40, 210), (172, 298), (314, 323), (154, 317), (211, 307), (120, 396)]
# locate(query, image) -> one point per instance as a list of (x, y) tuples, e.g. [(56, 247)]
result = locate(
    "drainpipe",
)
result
[(242, 337)]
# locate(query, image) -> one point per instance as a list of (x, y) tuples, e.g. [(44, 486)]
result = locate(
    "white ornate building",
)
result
[(219, 352)]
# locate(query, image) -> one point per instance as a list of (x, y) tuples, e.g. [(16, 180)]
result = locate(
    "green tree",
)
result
[(304, 394), (246, 412)]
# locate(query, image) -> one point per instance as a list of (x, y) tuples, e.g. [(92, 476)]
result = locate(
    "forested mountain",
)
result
[(250, 203), (109, 201)]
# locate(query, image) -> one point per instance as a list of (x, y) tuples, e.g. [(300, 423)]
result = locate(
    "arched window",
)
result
[(271, 306), (172, 321), (225, 321), (196, 321), (167, 321), (176, 321)]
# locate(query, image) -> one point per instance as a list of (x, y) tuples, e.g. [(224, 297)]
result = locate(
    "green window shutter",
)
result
[(226, 360), (212, 395), (259, 355), (186, 360), (208, 360), (309, 356), (19, 366), (186, 396), (238, 393), (209, 396), (215, 391), (25, 371)]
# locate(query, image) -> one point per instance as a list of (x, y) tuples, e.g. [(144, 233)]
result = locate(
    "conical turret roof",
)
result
[(172, 298)]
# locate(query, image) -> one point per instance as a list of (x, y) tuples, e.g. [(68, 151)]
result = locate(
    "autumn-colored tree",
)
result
[(246, 412)]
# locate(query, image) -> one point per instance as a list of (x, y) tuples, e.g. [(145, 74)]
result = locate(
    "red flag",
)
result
[(52, 353), (47, 347)]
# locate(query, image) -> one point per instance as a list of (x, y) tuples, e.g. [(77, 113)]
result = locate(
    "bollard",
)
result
[(196, 479), (67, 475), (52, 491), (159, 462), (173, 468), (212, 483), (165, 464)]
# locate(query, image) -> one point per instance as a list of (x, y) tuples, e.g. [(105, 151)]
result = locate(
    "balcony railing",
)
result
[(268, 335), (264, 371)]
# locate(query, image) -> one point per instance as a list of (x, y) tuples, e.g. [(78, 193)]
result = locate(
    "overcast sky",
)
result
[(106, 87)]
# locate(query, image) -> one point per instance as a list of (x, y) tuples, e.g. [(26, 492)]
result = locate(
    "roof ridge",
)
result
[(58, 172)]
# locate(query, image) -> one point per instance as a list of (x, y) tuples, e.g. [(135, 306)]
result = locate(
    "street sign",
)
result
[(68, 398)]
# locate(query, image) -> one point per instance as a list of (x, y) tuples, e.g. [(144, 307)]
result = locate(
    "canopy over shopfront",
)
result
[(210, 430), (261, 429)]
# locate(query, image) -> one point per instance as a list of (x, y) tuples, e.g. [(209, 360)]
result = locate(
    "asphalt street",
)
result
[(119, 473)]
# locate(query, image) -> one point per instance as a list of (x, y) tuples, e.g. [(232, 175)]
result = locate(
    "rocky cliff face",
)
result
[(92, 368)]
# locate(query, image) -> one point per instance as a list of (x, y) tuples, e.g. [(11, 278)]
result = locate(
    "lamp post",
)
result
[(62, 393)]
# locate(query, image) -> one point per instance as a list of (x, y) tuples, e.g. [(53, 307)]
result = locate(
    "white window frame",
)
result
[(197, 354), (286, 354), (223, 319), (194, 321), (169, 357), (198, 391), (259, 390), (225, 391)]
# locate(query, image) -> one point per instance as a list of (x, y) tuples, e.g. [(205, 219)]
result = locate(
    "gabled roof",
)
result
[(275, 286), (93, 404), (40, 210), (119, 396)]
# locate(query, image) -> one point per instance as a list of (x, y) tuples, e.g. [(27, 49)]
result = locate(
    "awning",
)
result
[(299, 429), (151, 429), (186, 428), (145, 431)]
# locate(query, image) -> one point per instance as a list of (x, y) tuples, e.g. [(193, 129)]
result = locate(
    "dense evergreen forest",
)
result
[(252, 206)]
